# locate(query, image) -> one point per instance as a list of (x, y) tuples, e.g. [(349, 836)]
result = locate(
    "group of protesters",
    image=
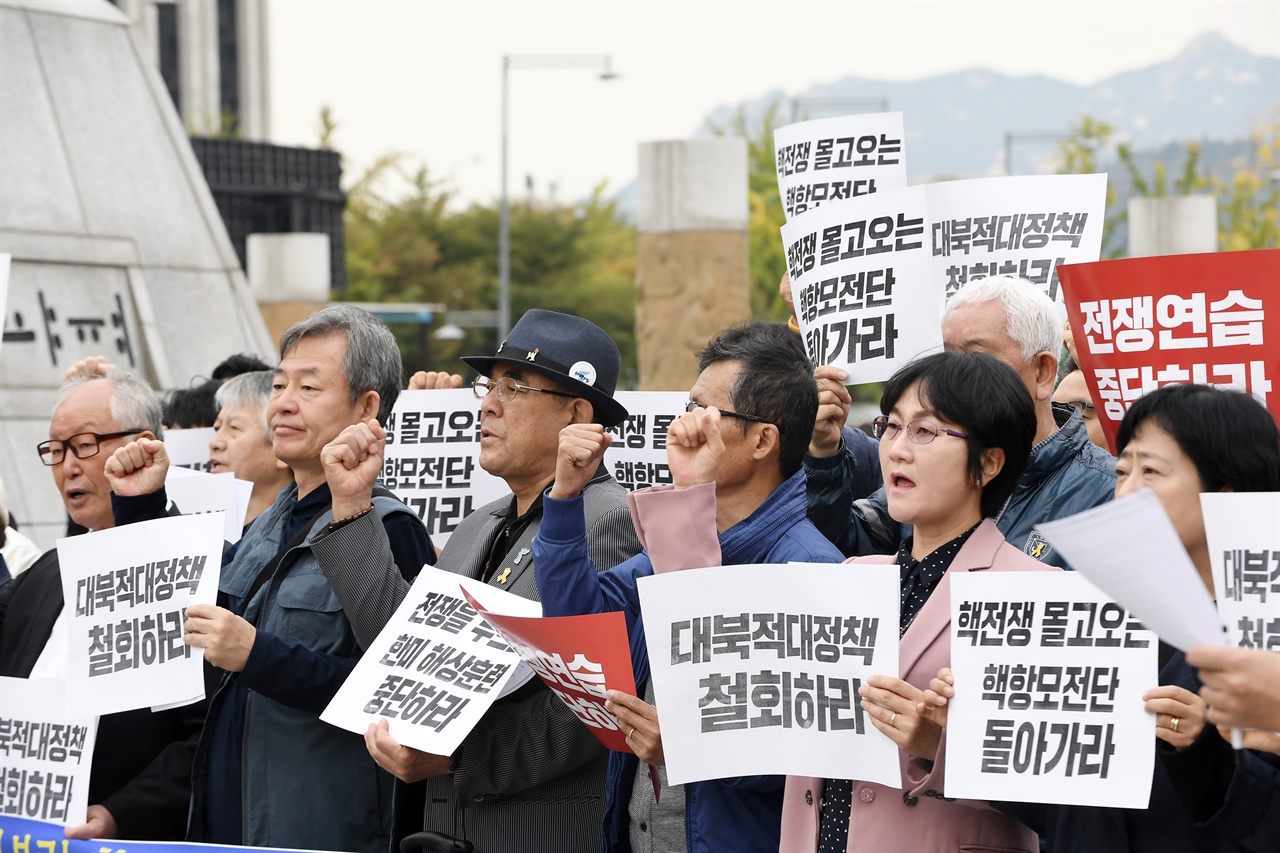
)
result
[(974, 446)]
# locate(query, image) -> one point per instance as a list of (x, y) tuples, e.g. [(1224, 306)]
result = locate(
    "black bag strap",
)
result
[(269, 569)]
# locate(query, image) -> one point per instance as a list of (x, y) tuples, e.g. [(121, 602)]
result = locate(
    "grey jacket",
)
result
[(1067, 474), (530, 776), (304, 782)]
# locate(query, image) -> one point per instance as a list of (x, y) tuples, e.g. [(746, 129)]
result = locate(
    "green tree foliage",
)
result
[(766, 259), (1249, 207), (1248, 198), (410, 246), (1078, 155)]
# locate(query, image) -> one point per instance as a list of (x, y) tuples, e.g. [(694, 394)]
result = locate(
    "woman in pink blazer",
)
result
[(955, 436)]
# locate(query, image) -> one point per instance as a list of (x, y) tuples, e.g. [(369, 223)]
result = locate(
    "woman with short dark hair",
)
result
[(1179, 441), (955, 435)]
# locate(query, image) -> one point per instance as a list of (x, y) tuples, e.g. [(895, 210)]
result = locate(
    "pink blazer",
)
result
[(882, 821)]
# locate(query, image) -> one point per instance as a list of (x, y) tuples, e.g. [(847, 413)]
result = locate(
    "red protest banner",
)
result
[(579, 658), (1142, 323)]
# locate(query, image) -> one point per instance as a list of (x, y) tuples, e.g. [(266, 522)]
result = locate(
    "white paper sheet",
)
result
[(1129, 549)]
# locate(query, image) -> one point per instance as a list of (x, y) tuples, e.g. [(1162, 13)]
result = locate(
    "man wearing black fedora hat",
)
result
[(530, 776)]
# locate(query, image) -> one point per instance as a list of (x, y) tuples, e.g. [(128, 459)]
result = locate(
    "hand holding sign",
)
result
[(581, 448), (352, 462), (403, 762), (695, 448), (434, 380), (1179, 714), (138, 468), (225, 637), (1242, 686), (98, 823), (639, 720), (891, 704), (833, 410), (933, 702)]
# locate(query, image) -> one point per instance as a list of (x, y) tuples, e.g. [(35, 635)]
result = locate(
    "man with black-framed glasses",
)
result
[(140, 785), (530, 776)]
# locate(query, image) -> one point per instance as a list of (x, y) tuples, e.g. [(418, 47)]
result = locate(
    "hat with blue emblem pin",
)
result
[(574, 353)]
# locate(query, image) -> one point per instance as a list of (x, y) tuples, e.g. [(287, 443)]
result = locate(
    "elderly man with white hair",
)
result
[(1013, 320), (140, 786)]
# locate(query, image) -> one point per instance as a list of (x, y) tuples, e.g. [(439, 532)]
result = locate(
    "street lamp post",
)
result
[(599, 62)]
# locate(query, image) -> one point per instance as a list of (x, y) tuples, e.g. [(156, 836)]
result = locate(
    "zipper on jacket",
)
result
[(248, 702)]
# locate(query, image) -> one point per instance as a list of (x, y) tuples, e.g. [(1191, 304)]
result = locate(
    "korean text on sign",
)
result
[(862, 284), (434, 669), (579, 658), (432, 459), (1244, 548), (1049, 677), (1026, 226), (45, 756), (835, 159), (1143, 323), (757, 671), (127, 591), (637, 459)]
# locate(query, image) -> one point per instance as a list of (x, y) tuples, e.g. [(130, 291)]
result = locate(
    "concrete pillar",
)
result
[(289, 274), (1173, 225), (692, 277), (198, 78), (146, 21), (254, 76)]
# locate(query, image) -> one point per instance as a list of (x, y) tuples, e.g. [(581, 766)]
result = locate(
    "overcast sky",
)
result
[(424, 78)]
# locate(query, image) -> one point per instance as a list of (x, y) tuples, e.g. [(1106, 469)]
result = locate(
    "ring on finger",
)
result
[(894, 719), (1173, 723), (630, 733)]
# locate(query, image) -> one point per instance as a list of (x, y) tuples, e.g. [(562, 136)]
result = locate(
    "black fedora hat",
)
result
[(575, 353)]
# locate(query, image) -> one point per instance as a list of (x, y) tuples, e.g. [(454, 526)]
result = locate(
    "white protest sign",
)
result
[(836, 159), (1150, 575), (435, 668), (45, 756), (4, 288), (638, 456), (871, 276), (1025, 226), (1049, 677), (432, 459), (863, 284), (1243, 532), (756, 669), (189, 448), (194, 493), (127, 590)]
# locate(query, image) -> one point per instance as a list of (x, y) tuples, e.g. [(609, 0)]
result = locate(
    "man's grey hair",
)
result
[(372, 362), (250, 390), (1033, 321), (133, 402)]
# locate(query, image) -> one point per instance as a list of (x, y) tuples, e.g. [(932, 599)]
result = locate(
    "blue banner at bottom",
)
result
[(22, 835)]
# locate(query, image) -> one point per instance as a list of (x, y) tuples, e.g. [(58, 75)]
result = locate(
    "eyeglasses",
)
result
[(919, 431), (1080, 406), (82, 446), (507, 388), (691, 405)]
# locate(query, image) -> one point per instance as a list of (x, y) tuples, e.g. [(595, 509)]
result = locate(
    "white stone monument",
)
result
[(117, 246)]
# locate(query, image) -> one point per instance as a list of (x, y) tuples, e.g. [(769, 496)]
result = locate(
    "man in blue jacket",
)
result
[(758, 377), (1005, 317), (268, 772)]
